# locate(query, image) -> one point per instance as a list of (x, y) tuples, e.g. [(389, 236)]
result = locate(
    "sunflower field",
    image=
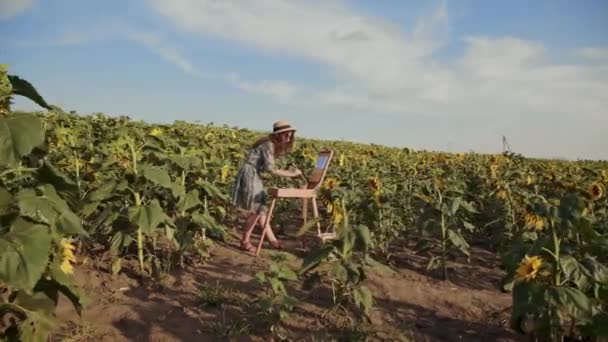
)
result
[(158, 194)]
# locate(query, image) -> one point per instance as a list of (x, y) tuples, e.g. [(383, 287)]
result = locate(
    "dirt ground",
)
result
[(210, 302)]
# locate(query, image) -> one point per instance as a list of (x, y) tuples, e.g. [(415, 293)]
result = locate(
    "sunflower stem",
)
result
[(556, 243)]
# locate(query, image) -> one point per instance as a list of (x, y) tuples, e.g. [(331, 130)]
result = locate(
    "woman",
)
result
[(249, 192)]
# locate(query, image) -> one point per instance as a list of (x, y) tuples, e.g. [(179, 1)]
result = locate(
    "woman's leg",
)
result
[(271, 237), (248, 229)]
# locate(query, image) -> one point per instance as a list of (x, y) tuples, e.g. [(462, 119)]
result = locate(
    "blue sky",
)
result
[(435, 75)]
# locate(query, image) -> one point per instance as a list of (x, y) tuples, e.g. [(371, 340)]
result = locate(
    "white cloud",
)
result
[(157, 44), (379, 66), (11, 8), (594, 53), (280, 89)]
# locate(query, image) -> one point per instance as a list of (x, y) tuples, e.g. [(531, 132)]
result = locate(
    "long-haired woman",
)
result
[(249, 192)]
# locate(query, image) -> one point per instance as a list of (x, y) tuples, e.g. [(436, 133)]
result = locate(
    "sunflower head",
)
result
[(67, 256), (528, 268), (534, 221), (156, 132), (342, 159), (330, 183), (374, 183), (529, 180), (502, 193), (596, 191)]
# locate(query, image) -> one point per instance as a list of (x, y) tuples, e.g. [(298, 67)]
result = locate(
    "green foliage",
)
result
[(161, 192), (276, 304), (36, 225)]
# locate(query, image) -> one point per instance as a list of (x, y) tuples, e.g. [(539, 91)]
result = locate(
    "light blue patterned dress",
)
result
[(248, 191)]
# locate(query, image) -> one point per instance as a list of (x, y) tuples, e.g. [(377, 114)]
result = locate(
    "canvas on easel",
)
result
[(308, 192)]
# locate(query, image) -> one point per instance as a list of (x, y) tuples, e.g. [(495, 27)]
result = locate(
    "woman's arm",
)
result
[(286, 173)]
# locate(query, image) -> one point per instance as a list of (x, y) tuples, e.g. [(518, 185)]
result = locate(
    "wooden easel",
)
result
[(307, 192)]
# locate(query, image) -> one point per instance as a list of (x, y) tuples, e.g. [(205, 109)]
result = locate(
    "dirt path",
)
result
[(186, 305)]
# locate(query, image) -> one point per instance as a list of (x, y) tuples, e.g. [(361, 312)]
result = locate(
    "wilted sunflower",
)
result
[(493, 170), (529, 180), (534, 221), (596, 191), (528, 268), (67, 256)]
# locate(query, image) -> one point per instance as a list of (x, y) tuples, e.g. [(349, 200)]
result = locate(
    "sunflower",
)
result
[(342, 160), (502, 193), (330, 183), (374, 183), (67, 256), (335, 210), (529, 180), (528, 268), (596, 191), (156, 132), (534, 221), (209, 137), (225, 172)]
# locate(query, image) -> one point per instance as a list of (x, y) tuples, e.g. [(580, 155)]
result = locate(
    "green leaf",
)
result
[(468, 207), (157, 175), (190, 201), (38, 323), (455, 205), (313, 259), (148, 217), (25, 254), (363, 298), (287, 274), (457, 240), (307, 226), (6, 201), (364, 239), (469, 226), (19, 135), (105, 191), (48, 173), (577, 304), (213, 191), (277, 285), (37, 327), (595, 270), (26, 89), (378, 265), (572, 271), (340, 272), (50, 209), (207, 221)]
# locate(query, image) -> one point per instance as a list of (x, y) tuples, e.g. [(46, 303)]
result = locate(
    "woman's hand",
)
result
[(296, 173)]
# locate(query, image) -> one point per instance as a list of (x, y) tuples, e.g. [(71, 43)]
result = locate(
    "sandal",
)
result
[(248, 247)]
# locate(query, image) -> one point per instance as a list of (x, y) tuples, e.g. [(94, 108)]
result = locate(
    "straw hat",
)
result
[(282, 126)]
